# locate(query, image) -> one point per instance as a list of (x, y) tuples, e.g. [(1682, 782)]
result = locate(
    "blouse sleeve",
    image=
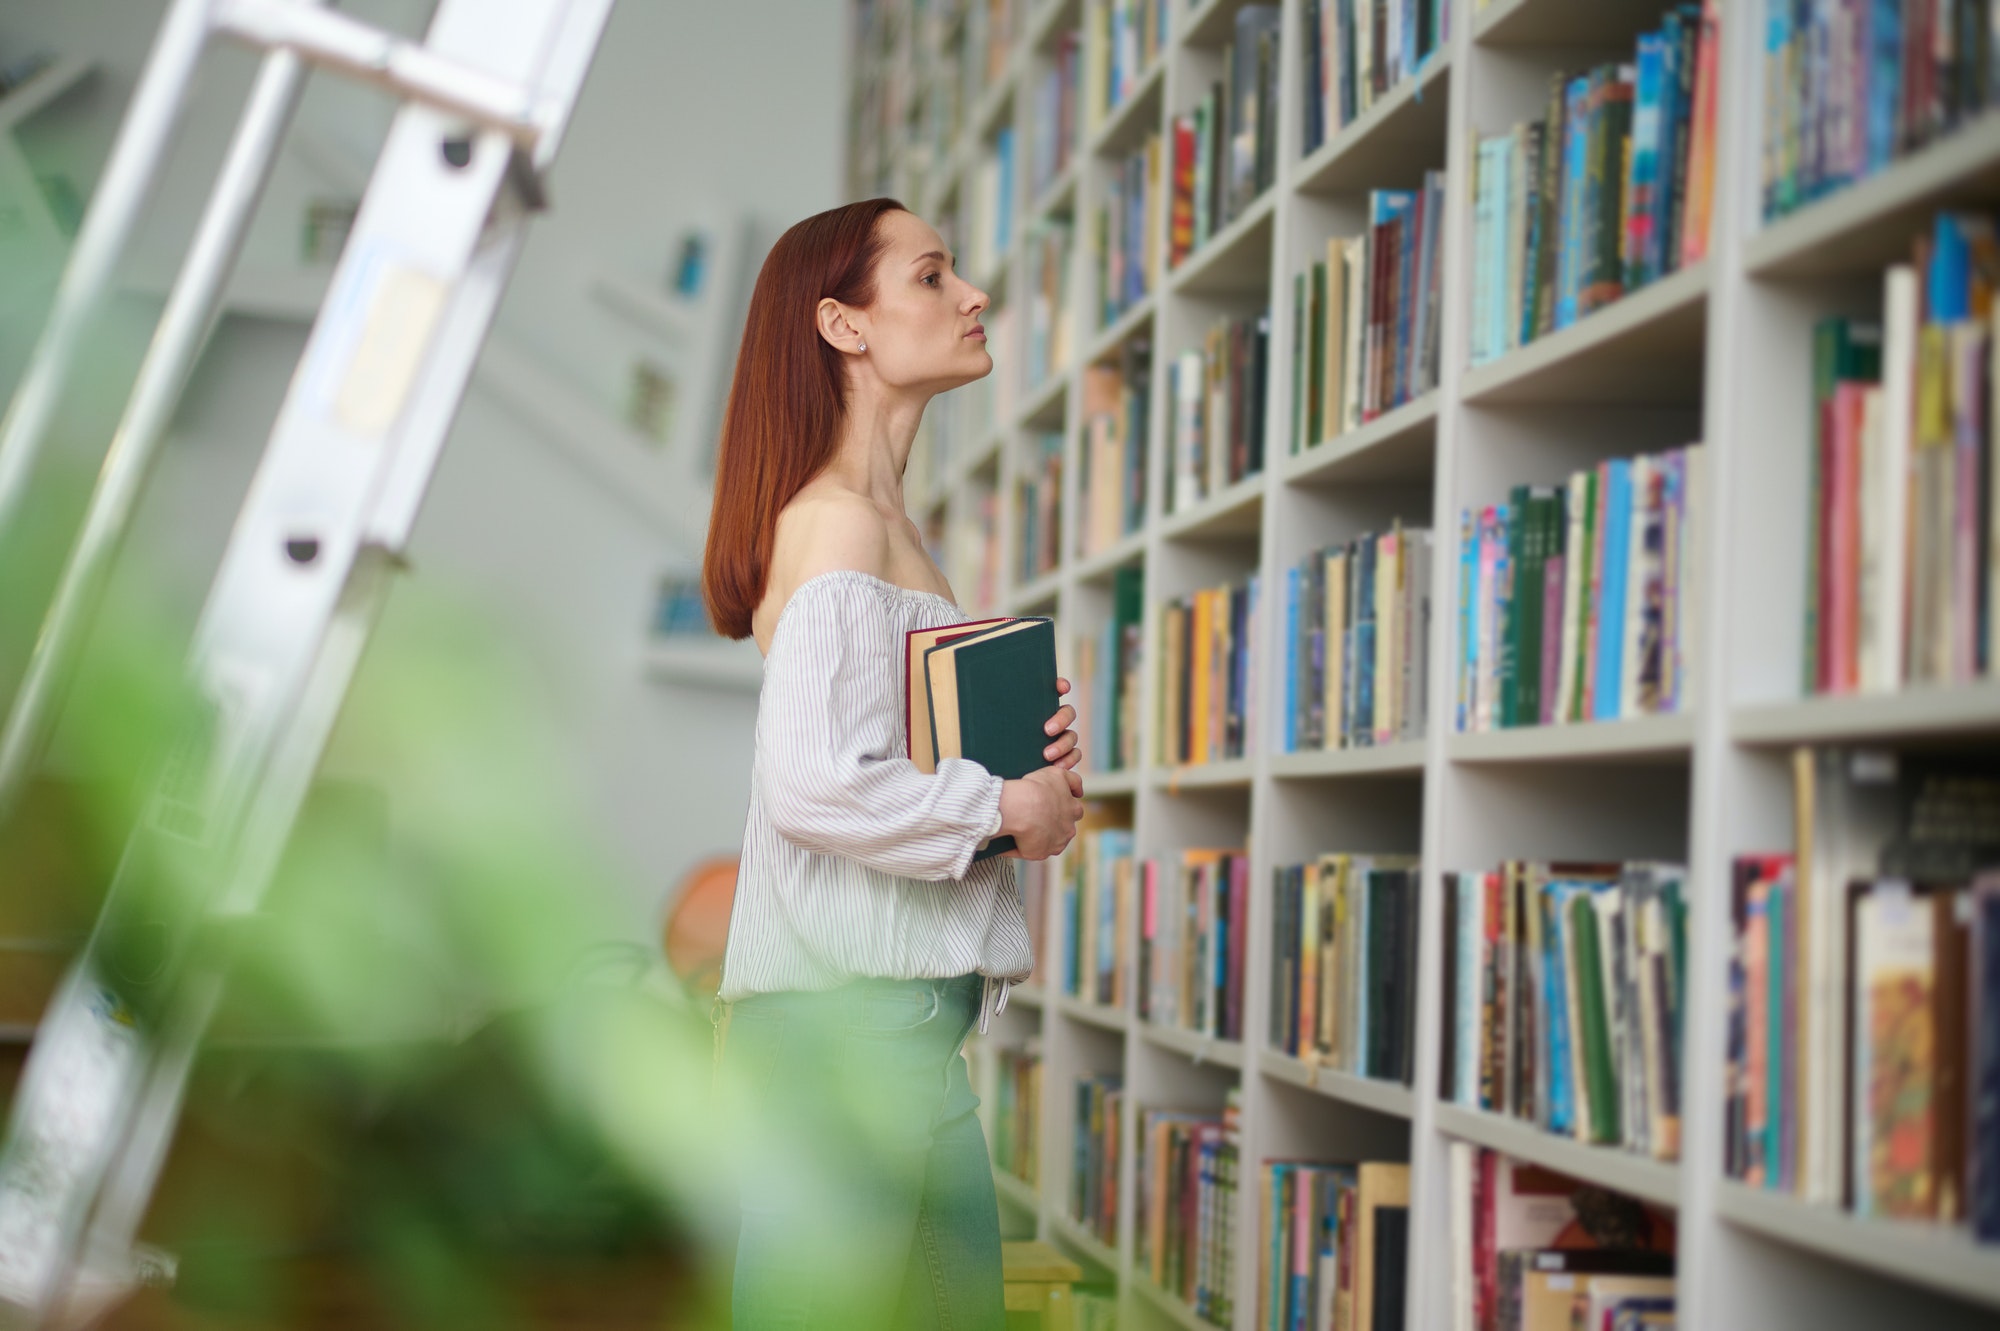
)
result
[(830, 774)]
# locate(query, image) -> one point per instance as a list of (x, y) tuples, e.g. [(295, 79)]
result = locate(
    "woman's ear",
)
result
[(838, 330)]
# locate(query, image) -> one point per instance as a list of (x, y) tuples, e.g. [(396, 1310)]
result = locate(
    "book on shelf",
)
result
[(1008, 1080), (1098, 898), (1863, 1060), (1849, 88), (1111, 493), (1194, 911), (1903, 527), (1125, 252), (1217, 394), (1534, 1250), (1206, 694), (972, 549), (1357, 642), (1603, 196), (1096, 1107), (1108, 677), (1358, 51), (1565, 994), (982, 690), (1035, 878), (1038, 508), (1334, 1245), (1188, 1175), (990, 28), (1365, 318), (1049, 314), (992, 205), (1123, 40), (1576, 602), (1054, 116), (1344, 963), (1224, 150)]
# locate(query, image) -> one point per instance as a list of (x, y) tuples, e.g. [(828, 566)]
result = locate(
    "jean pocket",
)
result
[(751, 1040), (891, 1012)]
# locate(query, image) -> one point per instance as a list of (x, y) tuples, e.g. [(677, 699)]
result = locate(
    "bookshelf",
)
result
[(1718, 351)]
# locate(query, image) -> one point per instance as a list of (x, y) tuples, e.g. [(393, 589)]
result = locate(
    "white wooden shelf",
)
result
[(1082, 1241), (1397, 445), (41, 88), (1921, 710), (1221, 773), (1235, 260), (1198, 1048), (1093, 1014), (1608, 1167), (715, 663), (1114, 334), (1380, 759), (1383, 1097), (1123, 782), (1015, 1192), (1644, 737), (1234, 510), (1389, 145), (1124, 128), (1172, 1305), (1643, 349), (1564, 23)]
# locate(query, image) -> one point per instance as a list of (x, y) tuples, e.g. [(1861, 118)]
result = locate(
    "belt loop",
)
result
[(985, 1001)]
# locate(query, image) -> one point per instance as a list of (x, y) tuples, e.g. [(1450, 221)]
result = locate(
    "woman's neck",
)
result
[(875, 447)]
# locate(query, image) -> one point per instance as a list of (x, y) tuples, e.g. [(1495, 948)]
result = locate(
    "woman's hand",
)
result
[(1063, 752), (1040, 812)]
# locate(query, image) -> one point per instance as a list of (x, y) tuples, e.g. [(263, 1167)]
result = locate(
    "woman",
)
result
[(864, 945)]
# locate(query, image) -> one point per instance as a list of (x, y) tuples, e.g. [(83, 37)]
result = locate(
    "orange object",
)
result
[(698, 925)]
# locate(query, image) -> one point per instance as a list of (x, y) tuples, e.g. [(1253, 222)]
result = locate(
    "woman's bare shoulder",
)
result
[(823, 529)]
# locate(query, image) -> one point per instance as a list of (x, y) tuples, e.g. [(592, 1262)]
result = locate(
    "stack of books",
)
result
[(1344, 963), (1902, 524), (1098, 1106), (1335, 1245), (1357, 51), (1054, 115), (1205, 678), (1606, 194), (1365, 319), (992, 207), (1188, 1166), (1123, 40), (1038, 508), (1357, 642), (1864, 986), (1097, 912), (1108, 677), (1542, 1252), (1565, 989), (1117, 403), (1194, 912), (1225, 151), (1126, 255), (1049, 314), (1576, 602), (1848, 88), (1217, 392)]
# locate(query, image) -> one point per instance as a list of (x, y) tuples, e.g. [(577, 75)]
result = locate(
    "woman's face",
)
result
[(923, 330)]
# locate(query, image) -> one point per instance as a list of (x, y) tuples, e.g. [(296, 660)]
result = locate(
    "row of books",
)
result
[(1205, 679), (1576, 601), (1903, 530), (1565, 989), (1344, 963), (1864, 1018), (1125, 255), (1050, 315), (1225, 149), (1365, 319), (1606, 194), (1357, 51), (992, 207), (1117, 405), (1543, 1252), (1357, 642), (1194, 911), (1097, 1106), (1336, 1245), (1038, 507), (1124, 39), (1189, 1165), (1054, 115), (1012, 1084), (972, 549), (1097, 911), (1565, 998), (1851, 85), (1108, 666), (1037, 880), (1217, 391)]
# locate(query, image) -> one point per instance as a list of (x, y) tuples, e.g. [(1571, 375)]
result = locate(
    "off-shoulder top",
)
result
[(855, 863)]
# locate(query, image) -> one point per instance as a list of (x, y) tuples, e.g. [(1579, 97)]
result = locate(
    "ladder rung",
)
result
[(406, 68)]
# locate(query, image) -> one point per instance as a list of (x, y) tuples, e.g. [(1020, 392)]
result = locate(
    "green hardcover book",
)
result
[(1591, 1021), (1511, 596), (1583, 564), (1316, 385), (1128, 608), (991, 694)]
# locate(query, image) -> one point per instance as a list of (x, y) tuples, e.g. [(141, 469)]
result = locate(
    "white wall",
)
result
[(691, 108)]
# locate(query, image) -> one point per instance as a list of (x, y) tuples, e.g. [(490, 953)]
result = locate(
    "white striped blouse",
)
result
[(855, 863)]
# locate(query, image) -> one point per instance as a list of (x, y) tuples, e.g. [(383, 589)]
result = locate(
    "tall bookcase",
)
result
[(1718, 352)]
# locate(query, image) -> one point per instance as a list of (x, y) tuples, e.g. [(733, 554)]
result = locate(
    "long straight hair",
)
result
[(788, 400)]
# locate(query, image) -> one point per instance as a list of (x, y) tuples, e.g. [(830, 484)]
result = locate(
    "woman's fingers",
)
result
[(1061, 720), (1064, 743), (1062, 686), (1075, 785)]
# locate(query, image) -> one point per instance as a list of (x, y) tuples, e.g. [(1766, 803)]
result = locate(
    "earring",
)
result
[(863, 346)]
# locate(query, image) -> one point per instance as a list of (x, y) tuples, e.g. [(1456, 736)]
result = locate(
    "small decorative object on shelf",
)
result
[(325, 230), (650, 407)]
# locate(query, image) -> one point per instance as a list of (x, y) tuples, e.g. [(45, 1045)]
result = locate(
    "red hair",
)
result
[(788, 401)]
